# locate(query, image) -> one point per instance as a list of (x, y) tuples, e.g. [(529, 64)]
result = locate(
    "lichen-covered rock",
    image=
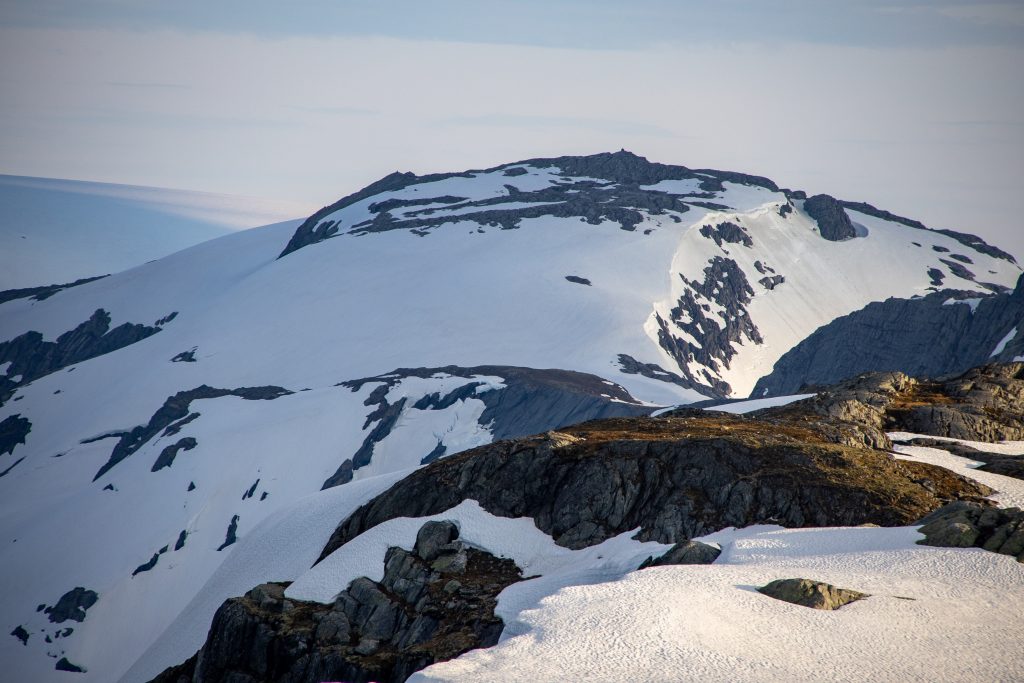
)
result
[(983, 404), (973, 525), (674, 478), (808, 593)]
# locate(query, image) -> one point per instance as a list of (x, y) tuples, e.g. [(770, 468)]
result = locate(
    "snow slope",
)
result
[(55, 231), (388, 343)]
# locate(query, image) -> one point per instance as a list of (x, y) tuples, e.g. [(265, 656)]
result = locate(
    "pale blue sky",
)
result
[(914, 106)]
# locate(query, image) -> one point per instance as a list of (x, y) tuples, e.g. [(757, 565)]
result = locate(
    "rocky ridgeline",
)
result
[(982, 404), (433, 604)]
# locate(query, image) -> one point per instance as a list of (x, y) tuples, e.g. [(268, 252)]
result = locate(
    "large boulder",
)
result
[(808, 593)]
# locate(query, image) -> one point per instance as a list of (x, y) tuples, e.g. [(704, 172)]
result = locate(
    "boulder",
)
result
[(808, 593)]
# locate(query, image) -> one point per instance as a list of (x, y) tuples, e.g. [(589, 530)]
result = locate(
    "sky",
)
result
[(916, 107)]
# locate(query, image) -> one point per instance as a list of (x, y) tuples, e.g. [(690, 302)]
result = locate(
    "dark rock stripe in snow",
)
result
[(31, 357), (175, 408)]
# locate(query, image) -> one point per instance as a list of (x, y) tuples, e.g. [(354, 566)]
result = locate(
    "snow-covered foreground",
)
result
[(55, 231), (934, 614)]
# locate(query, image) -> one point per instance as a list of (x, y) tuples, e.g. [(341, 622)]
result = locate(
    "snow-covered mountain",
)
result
[(57, 231), (150, 419)]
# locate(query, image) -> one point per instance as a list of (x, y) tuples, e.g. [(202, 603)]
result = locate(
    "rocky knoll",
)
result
[(433, 604), (982, 404), (674, 477), (971, 525)]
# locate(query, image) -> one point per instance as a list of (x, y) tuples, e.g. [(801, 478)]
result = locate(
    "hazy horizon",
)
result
[(915, 107)]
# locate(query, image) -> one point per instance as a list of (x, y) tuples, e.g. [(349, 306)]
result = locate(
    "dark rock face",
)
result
[(833, 223), (813, 594), (727, 232), (13, 430), (72, 605), (725, 285), (44, 292), (232, 533), (433, 604), (972, 525), (920, 337), (958, 269), (32, 358), (578, 280), (167, 455), (688, 552), (631, 366), (145, 567), (175, 409), (21, 634), (673, 477), (531, 401), (64, 665), (983, 404), (619, 199)]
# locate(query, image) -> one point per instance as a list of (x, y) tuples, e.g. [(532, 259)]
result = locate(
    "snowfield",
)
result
[(364, 304)]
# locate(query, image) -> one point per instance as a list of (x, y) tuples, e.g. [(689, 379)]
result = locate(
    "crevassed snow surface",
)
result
[(56, 231), (350, 307)]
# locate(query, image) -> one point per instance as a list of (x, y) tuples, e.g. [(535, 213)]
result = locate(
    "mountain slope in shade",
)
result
[(407, 322), (939, 334), (56, 231)]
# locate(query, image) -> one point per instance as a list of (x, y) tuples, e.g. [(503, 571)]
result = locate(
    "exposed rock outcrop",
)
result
[(530, 401), (972, 525), (833, 223), (72, 605), (929, 336), (13, 430), (31, 358), (688, 552), (176, 410), (620, 199), (983, 404), (45, 291), (693, 334), (433, 604), (674, 478), (813, 594)]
